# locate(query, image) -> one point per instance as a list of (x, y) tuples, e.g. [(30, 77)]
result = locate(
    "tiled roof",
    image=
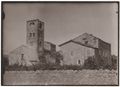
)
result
[(78, 40)]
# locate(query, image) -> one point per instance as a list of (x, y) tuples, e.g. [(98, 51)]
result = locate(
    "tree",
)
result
[(114, 61), (5, 59), (59, 57)]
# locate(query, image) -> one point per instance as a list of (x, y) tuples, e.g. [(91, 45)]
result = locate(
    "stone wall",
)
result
[(23, 55), (87, 40), (76, 54), (105, 52)]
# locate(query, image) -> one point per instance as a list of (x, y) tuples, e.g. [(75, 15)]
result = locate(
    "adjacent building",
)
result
[(49, 46), (49, 52), (79, 49)]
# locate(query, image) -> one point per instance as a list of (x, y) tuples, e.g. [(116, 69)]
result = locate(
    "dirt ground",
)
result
[(61, 77)]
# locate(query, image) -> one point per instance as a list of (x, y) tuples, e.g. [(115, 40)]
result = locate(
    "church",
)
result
[(76, 51), (32, 51)]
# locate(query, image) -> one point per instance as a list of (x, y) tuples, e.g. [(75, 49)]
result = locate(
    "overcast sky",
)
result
[(63, 21)]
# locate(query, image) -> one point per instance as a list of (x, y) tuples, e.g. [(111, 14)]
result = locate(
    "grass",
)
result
[(61, 77)]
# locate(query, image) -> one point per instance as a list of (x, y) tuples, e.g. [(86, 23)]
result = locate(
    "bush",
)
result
[(5, 63), (90, 63), (5, 60), (114, 62)]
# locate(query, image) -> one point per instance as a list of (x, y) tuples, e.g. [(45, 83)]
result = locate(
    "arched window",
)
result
[(33, 34), (30, 34), (32, 23), (78, 61)]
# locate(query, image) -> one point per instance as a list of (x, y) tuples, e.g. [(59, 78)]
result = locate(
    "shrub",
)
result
[(90, 63), (114, 61)]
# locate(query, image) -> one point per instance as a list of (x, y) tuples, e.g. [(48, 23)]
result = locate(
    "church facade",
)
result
[(79, 49), (32, 52)]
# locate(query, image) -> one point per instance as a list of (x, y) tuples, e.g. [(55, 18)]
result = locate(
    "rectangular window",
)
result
[(32, 23), (30, 34), (22, 56), (40, 43)]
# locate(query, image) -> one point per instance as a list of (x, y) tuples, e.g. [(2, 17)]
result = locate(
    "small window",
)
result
[(86, 42), (33, 34), (22, 56), (32, 23), (30, 34), (78, 61), (84, 38), (40, 25)]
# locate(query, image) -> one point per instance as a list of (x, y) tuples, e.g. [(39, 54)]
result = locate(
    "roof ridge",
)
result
[(81, 35)]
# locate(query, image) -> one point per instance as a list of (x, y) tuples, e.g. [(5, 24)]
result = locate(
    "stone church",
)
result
[(79, 49), (32, 51)]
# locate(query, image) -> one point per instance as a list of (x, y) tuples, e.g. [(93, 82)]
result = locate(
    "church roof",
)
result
[(20, 47), (85, 39)]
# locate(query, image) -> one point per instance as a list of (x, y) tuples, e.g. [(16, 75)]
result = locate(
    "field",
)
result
[(61, 77)]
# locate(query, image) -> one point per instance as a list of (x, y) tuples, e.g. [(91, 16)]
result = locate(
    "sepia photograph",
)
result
[(60, 43)]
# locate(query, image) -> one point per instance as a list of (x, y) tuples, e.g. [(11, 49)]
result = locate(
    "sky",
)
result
[(63, 22)]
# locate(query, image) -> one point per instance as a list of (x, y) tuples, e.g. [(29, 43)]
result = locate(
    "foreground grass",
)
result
[(61, 77)]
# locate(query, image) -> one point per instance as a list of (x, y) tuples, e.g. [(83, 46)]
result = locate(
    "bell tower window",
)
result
[(32, 23), (33, 34), (30, 34)]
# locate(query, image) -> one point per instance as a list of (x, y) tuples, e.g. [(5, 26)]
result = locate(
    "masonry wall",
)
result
[(105, 52), (22, 55), (101, 49), (75, 54), (34, 45), (88, 40), (49, 46), (40, 41), (32, 36), (35, 36)]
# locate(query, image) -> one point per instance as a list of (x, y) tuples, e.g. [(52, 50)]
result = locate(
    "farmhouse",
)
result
[(79, 49), (33, 50)]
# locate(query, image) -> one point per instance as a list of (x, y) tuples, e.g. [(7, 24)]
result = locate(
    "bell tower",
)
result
[(35, 36)]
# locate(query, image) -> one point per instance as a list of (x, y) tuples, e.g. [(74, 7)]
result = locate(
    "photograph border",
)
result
[(2, 19)]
